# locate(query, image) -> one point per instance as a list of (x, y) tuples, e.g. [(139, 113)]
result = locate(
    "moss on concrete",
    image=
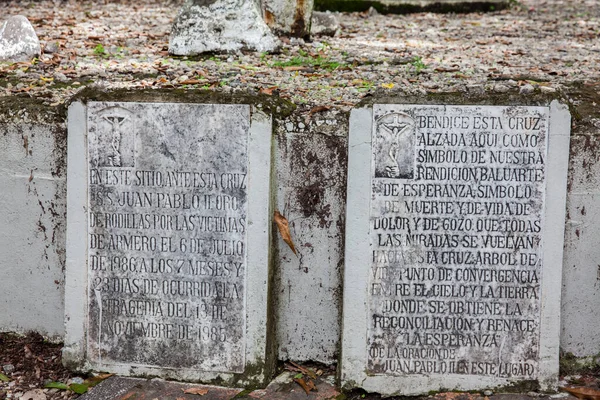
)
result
[(409, 6), (573, 365), (25, 109), (276, 106)]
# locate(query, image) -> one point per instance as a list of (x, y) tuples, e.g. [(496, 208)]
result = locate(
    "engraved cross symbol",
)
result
[(115, 121), (396, 128)]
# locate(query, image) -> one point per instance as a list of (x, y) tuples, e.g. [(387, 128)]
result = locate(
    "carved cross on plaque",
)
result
[(116, 121)]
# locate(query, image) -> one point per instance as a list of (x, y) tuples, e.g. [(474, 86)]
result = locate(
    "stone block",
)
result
[(168, 241), (454, 244)]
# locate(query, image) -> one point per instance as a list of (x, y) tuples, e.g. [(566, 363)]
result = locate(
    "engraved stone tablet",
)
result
[(455, 266), (168, 259)]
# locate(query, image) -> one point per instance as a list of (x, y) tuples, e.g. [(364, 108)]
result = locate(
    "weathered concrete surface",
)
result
[(581, 274), (18, 40), (311, 173), (224, 150), (220, 26), (289, 17), (32, 211)]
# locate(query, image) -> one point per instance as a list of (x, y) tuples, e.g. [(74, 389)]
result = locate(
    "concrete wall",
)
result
[(310, 180), (581, 267), (311, 159), (32, 219)]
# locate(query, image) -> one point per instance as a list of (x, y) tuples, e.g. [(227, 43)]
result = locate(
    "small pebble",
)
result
[(526, 89), (487, 393), (51, 48), (76, 380), (547, 89), (8, 368)]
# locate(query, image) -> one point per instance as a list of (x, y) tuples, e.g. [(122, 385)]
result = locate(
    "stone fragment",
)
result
[(289, 17), (526, 89), (220, 26), (18, 41), (51, 47), (547, 89), (324, 23), (8, 368), (35, 394)]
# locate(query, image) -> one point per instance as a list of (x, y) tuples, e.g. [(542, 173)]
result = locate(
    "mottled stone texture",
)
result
[(168, 209), (581, 277), (219, 26), (18, 41), (289, 17), (33, 214), (311, 174)]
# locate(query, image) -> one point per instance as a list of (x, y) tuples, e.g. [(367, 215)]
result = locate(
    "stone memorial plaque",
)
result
[(167, 252), (457, 216)]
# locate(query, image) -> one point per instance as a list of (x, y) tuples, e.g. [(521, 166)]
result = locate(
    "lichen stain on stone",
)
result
[(269, 17), (299, 24)]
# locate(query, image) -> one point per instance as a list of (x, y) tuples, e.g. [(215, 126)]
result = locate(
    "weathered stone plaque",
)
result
[(454, 265), (167, 238)]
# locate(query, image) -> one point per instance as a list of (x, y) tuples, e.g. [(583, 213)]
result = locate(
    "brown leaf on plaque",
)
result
[(583, 392), (284, 230), (198, 391)]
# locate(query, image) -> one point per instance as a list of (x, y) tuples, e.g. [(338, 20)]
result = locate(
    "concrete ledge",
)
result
[(411, 6)]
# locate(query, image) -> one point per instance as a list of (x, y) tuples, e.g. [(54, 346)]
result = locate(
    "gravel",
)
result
[(542, 45)]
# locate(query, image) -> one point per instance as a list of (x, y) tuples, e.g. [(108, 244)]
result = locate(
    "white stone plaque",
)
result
[(453, 283), (167, 278)]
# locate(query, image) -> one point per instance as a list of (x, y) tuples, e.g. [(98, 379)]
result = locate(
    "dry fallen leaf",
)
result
[(284, 230), (198, 391), (304, 370), (319, 109), (303, 384), (583, 393), (294, 68), (268, 91)]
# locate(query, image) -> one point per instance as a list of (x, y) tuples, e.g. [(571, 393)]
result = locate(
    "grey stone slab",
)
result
[(454, 247), (18, 40), (134, 388), (113, 388), (219, 26), (173, 265)]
